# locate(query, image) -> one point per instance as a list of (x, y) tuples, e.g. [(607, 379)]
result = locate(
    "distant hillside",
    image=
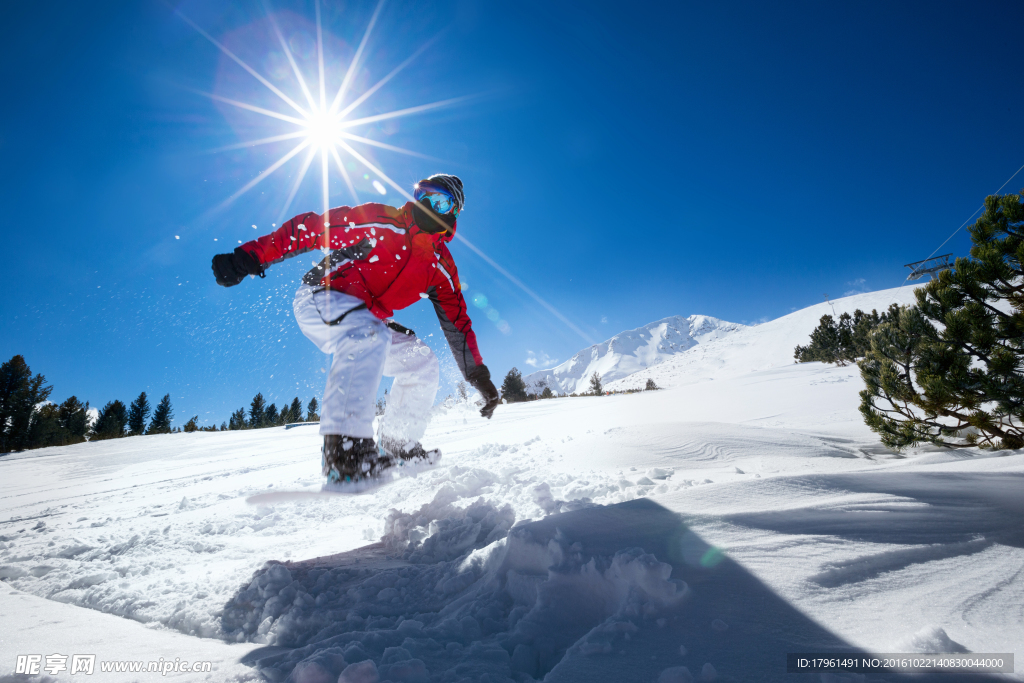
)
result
[(754, 349), (631, 351)]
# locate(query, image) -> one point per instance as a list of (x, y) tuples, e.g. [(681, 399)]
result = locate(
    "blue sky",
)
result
[(627, 162)]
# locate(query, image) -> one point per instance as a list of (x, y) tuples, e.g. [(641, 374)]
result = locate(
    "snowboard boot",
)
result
[(348, 459), (408, 455)]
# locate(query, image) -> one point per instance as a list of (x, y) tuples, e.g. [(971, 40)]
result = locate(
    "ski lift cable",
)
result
[(969, 218), (975, 212)]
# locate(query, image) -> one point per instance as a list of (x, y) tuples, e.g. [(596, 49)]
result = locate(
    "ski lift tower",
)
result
[(929, 266)]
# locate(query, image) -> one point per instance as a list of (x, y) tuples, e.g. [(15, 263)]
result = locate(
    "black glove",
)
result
[(480, 378), (230, 269)]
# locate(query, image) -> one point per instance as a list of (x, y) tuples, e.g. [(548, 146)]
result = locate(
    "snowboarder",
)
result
[(378, 259)]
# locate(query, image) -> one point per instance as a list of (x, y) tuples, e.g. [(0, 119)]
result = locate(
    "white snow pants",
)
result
[(365, 349)]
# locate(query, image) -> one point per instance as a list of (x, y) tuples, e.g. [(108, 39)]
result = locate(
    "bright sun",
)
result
[(322, 130), (322, 126)]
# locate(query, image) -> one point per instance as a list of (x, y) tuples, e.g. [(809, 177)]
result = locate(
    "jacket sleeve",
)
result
[(307, 231), (445, 293)]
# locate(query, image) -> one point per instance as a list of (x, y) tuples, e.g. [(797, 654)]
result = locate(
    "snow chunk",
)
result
[(931, 639), (676, 674), (363, 672), (10, 571), (92, 579)]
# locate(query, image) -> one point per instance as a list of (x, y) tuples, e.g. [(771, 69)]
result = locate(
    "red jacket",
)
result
[(379, 254)]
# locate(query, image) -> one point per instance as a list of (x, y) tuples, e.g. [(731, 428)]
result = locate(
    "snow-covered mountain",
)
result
[(755, 348), (629, 352)]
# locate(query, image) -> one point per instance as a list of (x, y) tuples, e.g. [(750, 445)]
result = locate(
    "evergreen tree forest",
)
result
[(28, 419), (261, 415), (844, 341)]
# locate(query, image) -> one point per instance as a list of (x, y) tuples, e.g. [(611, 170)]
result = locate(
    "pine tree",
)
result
[(138, 414), (311, 411), (45, 428), (513, 388), (162, 417), (864, 325), (651, 386), (270, 415), (19, 394), (295, 411), (947, 371), (546, 393), (73, 419), (825, 343), (257, 412), (111, 422), (595, 385), (237, 420), (192, 425)]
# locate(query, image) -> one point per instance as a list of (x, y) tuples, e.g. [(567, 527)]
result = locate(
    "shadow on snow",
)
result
[(615, 593)]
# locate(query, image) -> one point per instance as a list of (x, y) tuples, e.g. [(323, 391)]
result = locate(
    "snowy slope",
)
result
[(740, 514), (764, 346), (629, 352)]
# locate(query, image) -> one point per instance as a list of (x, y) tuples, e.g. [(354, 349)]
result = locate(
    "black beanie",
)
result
[(451, 183)]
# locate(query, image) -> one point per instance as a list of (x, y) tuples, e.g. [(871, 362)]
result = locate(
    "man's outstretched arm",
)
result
[(303, 233), (308, 231)]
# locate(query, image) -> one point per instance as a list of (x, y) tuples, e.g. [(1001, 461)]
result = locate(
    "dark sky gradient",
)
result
[(628, 161)]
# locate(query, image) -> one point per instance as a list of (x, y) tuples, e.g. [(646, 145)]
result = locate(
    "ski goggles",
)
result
[(440, 201)]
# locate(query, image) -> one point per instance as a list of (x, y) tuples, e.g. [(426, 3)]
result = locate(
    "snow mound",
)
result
[(630, 351), (474, 599)]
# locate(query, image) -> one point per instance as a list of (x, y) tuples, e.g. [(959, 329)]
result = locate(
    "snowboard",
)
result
[(284, 496), (330, 490), (327, 491)]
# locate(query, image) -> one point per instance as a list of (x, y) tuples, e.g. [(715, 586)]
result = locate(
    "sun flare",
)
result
[(323, 127), (322, 130)]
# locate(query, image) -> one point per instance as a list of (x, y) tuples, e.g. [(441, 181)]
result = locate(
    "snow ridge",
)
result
[(631, 351), (755, 348)]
